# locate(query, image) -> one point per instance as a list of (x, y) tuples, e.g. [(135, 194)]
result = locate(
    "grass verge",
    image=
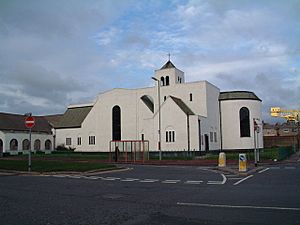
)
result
[(52, 166)]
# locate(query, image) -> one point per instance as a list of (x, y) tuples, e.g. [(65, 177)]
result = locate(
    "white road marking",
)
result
[(289, 167), (193, 182), (238, 206), (218, 182), (109, 178), (73, 176), (264, 170), (130, 179), (275, 168), (170, 181), (149, 180), (93, 177), (240, 181)]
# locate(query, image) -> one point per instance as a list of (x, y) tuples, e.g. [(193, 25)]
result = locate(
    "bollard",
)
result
[(242, 163), (222, 159)]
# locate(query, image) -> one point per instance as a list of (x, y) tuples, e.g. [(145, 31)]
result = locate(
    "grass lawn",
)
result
[(52, 166)]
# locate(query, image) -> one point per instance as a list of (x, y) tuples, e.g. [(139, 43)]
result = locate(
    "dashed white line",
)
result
[(238, 206), (170, 181), (264, 170), (129, 179), (193, 182), (275, 168), (289, 167), (110, 178), (240, 181), (93, 177), (148, 180)]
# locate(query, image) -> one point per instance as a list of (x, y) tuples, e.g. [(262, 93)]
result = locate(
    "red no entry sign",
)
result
[(30, 122)]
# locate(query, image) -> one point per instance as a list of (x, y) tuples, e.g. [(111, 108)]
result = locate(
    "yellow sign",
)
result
[(242, 163)]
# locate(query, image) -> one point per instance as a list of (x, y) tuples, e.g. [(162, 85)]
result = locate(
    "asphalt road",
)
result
[(152, 195)]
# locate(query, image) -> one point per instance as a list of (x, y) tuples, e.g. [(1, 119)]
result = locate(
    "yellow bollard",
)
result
[(242, 163), (222, 159)]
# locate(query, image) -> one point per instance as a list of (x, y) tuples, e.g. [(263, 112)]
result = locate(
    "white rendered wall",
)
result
[(231, 124), (20, 137), (137, 119)]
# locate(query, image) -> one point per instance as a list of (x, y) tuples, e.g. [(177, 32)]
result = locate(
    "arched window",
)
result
[(13, 145), (26, 144), (167, 81), (48, 145), (244, 122), (116, 123), (162, 81), (37, 145)]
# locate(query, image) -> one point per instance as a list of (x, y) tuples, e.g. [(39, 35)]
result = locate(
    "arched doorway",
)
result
[(116, 123)]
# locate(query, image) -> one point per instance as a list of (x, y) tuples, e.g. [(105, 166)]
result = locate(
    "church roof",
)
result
[(182, 106), (73, 117), (168, 65), (16, 122), (238, 95)]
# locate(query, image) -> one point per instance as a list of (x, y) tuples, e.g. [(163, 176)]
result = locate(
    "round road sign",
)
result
[(29, 122)]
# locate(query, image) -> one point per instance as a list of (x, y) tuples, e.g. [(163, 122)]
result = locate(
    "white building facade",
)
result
[(190, 115), (14, 136)]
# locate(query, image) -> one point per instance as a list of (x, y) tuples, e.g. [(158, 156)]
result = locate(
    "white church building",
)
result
[(193, 116)]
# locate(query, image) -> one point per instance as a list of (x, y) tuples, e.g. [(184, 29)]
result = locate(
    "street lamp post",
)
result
[(256, 146), (159, 117)]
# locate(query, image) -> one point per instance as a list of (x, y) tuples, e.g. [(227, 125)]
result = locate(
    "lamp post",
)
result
[(29, 154), (159, 116), (256, 146)]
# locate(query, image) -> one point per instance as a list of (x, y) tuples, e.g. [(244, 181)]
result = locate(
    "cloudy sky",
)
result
[(58, 52)]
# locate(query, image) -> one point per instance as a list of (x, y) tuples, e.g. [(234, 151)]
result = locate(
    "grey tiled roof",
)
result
[(168, 65), (237, 95), (73, 117), (182, 105), (16, 122)]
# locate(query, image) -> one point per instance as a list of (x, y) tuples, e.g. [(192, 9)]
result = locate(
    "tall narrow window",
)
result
[(244, 122), (162, 81), (92, 140), (78, 140), (170, 136), (167, 81), (116, 123), (68, 141)]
